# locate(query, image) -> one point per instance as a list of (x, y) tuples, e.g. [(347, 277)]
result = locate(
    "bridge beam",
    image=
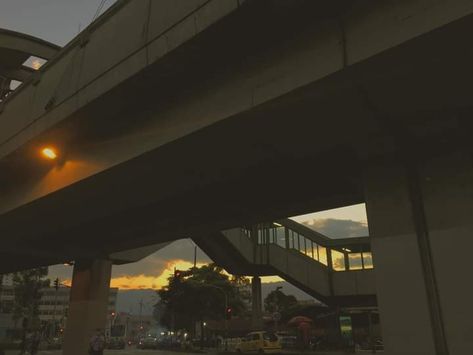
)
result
[(420, 216), (88, 304)]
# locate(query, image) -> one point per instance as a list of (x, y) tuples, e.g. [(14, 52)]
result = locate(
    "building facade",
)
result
[(53, 306)]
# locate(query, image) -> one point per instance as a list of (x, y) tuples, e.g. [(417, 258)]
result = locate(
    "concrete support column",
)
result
[(88, 304), (421, 220), (256, 303)]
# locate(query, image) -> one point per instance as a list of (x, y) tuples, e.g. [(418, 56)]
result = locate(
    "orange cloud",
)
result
[(145, 282)]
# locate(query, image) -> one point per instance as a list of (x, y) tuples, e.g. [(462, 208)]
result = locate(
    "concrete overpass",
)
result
[(181, 118)]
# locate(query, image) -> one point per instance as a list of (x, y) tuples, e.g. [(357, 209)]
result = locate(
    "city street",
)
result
[(107, 352), (157, 352)]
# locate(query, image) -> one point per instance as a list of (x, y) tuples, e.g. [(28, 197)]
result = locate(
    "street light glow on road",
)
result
[(49, 153)]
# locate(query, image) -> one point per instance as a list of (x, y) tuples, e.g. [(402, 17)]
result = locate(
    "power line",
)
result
[(99, 9)]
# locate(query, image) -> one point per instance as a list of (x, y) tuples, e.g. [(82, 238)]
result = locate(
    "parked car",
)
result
[(116, 343), (288, 341), (148, 343), (51, 344), (261, 342)]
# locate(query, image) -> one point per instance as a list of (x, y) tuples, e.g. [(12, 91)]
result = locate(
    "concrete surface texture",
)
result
[(204, 118)]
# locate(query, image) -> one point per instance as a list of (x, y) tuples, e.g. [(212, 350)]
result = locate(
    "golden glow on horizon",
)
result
[(146, 282), (150, 282), (49, 153)]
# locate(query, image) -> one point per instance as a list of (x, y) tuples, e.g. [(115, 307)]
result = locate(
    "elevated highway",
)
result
[(176, 118), (164, 112)]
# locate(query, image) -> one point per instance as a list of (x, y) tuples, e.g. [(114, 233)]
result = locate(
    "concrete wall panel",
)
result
[(318, 278), (55, 85), (115, 40), (167, 13), (448, 198), (212, 12), (278, 257), (374, 27), (344, 283), (17, 114), (401, 291), (308, 58), (112, 77), (402, 298)]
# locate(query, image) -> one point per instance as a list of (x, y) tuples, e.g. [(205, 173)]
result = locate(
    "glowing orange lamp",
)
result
[(49, 153)]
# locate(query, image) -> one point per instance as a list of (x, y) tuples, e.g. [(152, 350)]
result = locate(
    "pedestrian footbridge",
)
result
[(338, 272)]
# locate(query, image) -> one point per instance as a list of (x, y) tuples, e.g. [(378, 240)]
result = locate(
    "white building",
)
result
[(54, 305)]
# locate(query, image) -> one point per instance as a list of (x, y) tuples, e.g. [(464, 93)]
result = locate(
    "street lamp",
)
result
[(49, 153)]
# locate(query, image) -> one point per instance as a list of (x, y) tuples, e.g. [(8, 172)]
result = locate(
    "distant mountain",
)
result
[(129, 300)]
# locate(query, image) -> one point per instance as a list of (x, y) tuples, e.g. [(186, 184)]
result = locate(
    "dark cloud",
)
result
[(152, 265), (338, 228)]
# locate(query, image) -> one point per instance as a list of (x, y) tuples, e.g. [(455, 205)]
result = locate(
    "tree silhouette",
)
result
[(27, 287), (196, 295)]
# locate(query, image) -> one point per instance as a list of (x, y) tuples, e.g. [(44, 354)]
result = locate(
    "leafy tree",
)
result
[(278, 301), (196, 295), (27, 287)]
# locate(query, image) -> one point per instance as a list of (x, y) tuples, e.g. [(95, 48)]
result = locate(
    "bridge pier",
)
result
[(256, 303), (88, 304), (421, 219)]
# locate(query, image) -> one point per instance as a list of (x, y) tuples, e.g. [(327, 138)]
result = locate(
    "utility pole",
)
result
[(141, 312), (56, 287), (1, 292)]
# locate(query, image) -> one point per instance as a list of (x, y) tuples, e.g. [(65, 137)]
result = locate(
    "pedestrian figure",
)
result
[(35, 343), (97, 343)]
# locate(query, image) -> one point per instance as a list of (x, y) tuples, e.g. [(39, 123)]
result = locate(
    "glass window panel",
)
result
[(246, 232), (281, 236), (368, 260), (315, 253), (322, 254), (338, 260), (308, 247), (354, 261), (301, 243)]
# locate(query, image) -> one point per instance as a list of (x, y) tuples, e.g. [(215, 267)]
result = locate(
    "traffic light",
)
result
[(113, 314), (228, 313), (56, 284)]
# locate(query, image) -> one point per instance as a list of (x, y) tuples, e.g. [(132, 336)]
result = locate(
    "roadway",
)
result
[(107, 352), (155, 352)]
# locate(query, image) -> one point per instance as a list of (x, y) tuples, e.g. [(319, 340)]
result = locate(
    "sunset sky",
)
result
[(153, 271), (58, 21)]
